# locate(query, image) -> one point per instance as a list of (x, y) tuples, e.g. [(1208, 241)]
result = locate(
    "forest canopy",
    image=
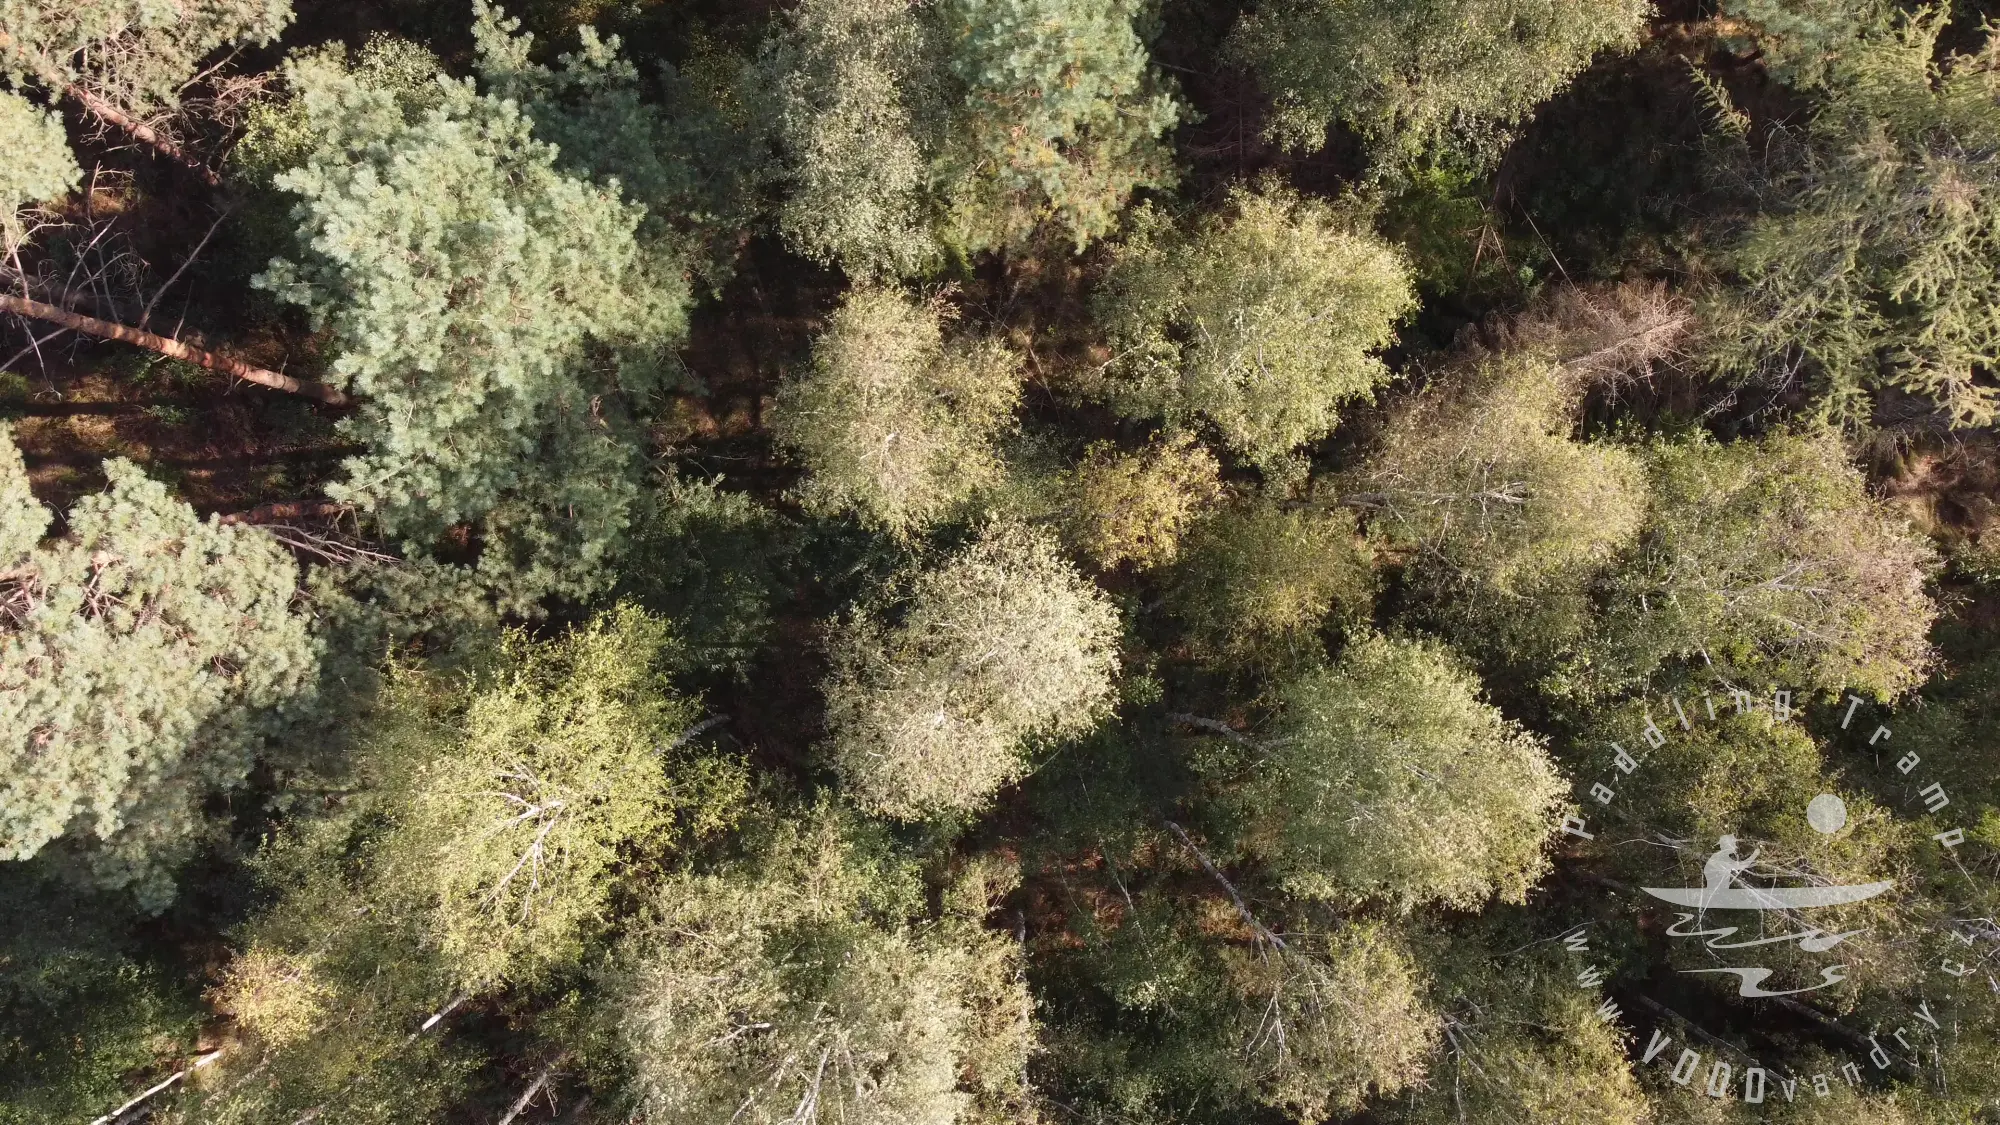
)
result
[(999, 562)]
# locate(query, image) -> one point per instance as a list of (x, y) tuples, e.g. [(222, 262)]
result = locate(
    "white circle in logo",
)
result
[(1827, 813)]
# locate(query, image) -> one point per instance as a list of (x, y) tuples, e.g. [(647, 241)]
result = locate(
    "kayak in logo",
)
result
[(1771, 923), (1725, 890)]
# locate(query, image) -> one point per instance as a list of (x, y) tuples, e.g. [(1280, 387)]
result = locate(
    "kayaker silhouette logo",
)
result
[(1725, 888)]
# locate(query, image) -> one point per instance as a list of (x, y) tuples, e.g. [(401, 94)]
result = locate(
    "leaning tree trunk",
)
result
[(108, 330), (140, 131)]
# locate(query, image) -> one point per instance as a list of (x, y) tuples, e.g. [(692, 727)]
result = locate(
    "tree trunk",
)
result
[(105, 329), (140, 131)]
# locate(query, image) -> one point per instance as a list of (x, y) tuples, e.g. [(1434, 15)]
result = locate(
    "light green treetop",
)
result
[(1505, 519), (857, 109), (143, 655), (1425, 75), (1480, 476), (1390, 778), (476, 843), (1136, 507), (894, 422), (1260, 320), (1771, 559), (1258, 579), (1525, 1043), (527, 796), (1201, 1007), (1001, 643)]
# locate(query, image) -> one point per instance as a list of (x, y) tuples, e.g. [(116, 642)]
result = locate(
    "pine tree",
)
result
[(1876, 266), (40, 168), (144, 655), (695, 173), (1390, 779), (1436, 75), (969, 126), (1056, 120), (1259, 320), (127, 61), (497, 319), (1002, 643), (1803, 41), (893, 422)]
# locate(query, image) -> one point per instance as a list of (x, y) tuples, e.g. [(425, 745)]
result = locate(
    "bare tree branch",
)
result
[(146, 314)]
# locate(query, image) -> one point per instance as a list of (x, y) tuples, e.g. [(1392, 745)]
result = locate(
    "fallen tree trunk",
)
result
[(22, 306)]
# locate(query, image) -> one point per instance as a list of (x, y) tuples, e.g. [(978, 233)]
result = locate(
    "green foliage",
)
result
[(1258, 579), (1505, 518), (81, 1006), (1877, 266), (1415, 76), (489, 823), (794, 984), (144, 655), (1135, 507), (1188, 1014), (1001, 643), (894, 423), (1259, 320), (1525, 1044), (970, 125), (1479, 476), (1390, 779), (532, 793), (1770, 559), (1336, 1021), (1056, 121), (1803, 41), (40, 167), (497, 318), (1088, 757), (676, 156), (711, 562), (855, 110), (138, 54)]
